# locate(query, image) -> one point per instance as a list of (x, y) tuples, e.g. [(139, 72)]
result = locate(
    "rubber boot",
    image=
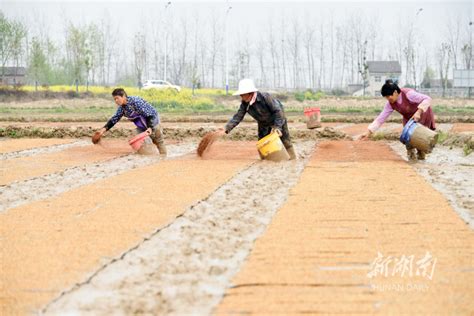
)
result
[(411, 153), (421, 155), (291, 151), (157, 137), (162, 149)]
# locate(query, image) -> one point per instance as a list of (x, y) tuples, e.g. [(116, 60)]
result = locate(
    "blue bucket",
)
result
[(407, 132)]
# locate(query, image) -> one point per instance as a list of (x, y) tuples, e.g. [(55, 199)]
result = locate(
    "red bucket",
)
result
[(137, 141), (311, 111)]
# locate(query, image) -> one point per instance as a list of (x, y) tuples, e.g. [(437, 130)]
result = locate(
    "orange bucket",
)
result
[(137, 141)]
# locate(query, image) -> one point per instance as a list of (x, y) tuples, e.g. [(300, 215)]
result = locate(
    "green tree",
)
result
[(38, 68), (428, 75), (12, 34), (96, 54), (77, 63)]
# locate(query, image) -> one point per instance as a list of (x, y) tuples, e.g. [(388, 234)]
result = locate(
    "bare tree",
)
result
[(373, 37), (283, 55), (352, 49), (274, 54), (203, 61), (156, 42), (453, 32), (178, 52), (139, 54), (216, 43), (261, 57), (342, 44), (331, 37), (358, 49), (309, 37), (322, 36), (194, 73), (247, 57), (444, 59), (111, 42), (294, 49)]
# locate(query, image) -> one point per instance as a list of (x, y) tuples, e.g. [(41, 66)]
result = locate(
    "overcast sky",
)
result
[(253, 14), (250, 19)]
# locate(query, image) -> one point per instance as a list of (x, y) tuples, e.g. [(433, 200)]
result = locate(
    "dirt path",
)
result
[(349, 237), (63, 240)]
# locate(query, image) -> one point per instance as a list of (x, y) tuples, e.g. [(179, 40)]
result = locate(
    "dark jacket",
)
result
[(267, 111)]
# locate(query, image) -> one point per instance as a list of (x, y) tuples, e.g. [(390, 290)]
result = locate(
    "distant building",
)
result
[(436, 84), (378, 72), (354, 87), (459, 87), (12, 75)]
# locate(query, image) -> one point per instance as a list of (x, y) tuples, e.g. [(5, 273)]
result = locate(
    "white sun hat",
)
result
[(245, 86)]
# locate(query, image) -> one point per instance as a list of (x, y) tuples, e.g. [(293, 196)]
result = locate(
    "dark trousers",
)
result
[(264, 130)]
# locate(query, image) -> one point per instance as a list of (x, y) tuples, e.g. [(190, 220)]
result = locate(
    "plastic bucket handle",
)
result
[(407, 132)]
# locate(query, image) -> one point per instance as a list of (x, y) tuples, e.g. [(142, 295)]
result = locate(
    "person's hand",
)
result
[(416, 117), (277, 130), (366, 135)]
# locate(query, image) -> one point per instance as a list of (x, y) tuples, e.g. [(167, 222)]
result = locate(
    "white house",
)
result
[(12, 75), (378, 72)]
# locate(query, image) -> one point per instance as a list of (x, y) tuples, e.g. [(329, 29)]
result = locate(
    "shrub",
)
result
[(308, 95), (338, 92), (300, 96)]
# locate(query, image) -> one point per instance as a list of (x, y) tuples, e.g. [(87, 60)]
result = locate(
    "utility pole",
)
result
[(469, 93), (413, 52), (166, 38), (227, 51)]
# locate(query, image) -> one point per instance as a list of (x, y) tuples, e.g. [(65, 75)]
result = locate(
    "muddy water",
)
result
[(450, 172), (23, 192), (185, 268)]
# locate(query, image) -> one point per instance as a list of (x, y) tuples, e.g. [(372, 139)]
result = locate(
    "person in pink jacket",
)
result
[(411, 105)]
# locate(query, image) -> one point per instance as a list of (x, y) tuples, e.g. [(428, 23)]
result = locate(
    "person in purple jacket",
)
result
[(411, 105), (141, 113)]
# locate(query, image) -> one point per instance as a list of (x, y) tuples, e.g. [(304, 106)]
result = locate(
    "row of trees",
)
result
[(290, 53)]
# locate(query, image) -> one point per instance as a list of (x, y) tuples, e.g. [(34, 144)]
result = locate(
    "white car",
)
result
[(160, 84)]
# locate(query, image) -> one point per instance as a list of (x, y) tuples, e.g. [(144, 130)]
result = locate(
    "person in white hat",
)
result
[(266, 110)]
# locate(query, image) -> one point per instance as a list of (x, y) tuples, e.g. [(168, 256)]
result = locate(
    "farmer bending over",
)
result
[(141, 113), (411, 105), (267, 111)]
